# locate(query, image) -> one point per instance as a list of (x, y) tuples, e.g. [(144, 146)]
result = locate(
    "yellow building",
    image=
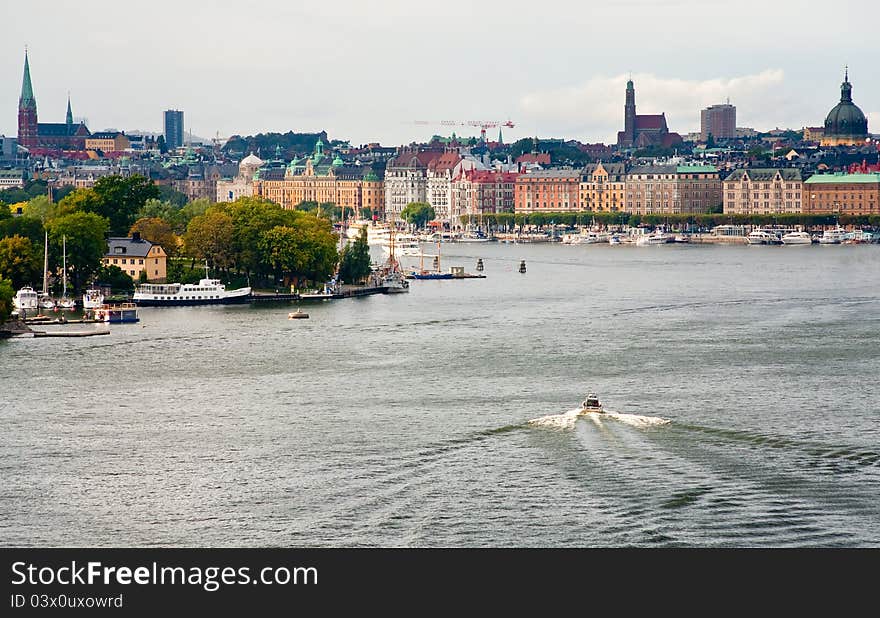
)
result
[(603, 187), (108, 142), (133, 255), (318, 179)]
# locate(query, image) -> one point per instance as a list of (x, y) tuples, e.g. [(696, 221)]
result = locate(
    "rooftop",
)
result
[(840, 178)]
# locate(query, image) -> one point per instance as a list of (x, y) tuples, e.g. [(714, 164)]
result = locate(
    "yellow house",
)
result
[(133, 255), (108, 142)]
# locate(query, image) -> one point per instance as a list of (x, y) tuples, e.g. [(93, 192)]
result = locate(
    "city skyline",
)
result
[(485, 63)]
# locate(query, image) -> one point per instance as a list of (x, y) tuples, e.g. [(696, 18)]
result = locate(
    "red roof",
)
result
[(446, 161), (650, 121), (542, 158)]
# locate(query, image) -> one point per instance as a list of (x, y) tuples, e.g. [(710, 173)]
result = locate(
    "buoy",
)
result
[(480, 264), (522, 266)]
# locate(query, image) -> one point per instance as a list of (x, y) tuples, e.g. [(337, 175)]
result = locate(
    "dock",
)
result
[(346, 292), (79, 333)]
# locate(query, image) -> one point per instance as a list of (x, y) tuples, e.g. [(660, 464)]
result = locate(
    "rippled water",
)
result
[(402, 420)]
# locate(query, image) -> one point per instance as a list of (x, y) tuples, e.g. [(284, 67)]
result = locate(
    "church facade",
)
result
[(48, 136), (643, 130)]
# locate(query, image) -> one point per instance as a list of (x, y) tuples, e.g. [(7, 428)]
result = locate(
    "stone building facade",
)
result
[(763, 191)]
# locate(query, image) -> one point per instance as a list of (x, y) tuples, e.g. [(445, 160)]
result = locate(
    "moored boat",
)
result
[(763, 237), (126, 313), (797, 238), (26, 299), (205, 292), (833, 237)]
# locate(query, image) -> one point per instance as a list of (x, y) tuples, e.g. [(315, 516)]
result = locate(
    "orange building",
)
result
[(548, 191), (851, 194), (133, 255)]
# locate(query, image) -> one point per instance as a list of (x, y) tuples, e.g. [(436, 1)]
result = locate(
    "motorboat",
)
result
[(833, 237), (297, 315), (763, 237), (26, 299), (797, 238), (46, 301), (614, 239), (93, 298), (592, 404), (657, 238), (396, 282)]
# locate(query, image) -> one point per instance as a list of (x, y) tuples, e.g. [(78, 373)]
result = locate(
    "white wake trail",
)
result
[(567, 420)]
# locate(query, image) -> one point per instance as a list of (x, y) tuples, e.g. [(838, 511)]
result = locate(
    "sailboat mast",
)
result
[(64, 267), (45, 260)]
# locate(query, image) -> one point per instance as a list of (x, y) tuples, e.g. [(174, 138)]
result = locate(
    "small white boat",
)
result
[(297, 315), (614, 239), (46, 302), (592, 404), (396, 282), (797, 238), (657, 238), (833, 237), (763, 237), (26, 299), (92, 298)]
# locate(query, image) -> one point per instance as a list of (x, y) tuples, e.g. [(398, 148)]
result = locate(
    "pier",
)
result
[(352, 291)]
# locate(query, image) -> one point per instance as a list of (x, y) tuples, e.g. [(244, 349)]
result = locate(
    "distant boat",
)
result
[(657, 238), (64, 302), (93, 298), (797, 238), (297, 315), (614, 239), (833, 237), (592, 404), (117, 314), (205, 292), (763, 237)]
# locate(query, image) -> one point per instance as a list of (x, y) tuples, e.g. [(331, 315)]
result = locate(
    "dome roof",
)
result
[(250, 160), (845, 118)]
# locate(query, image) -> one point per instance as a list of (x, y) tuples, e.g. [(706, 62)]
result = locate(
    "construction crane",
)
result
[(483, 124)]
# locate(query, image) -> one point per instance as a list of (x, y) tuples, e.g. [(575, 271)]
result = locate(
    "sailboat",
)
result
[(392, 277), (64, 302), (46, 301), (431, 274)]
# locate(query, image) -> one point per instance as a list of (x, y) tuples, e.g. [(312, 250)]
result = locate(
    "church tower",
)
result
[(629, 115), (27, 110)]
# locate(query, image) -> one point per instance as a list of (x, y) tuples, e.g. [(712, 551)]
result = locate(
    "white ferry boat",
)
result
[(205, 292), (833, 237)]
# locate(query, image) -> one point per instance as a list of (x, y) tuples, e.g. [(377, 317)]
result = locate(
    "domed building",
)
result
[(845, 124)]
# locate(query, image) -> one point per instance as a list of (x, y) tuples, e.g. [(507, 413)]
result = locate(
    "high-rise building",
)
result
[(173, 128), (719, 121)]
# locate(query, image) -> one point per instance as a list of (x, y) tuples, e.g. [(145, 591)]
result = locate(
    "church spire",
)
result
[(27, 101), (69, 118)]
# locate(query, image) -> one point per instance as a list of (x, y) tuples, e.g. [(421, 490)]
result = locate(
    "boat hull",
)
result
[(190, 302)]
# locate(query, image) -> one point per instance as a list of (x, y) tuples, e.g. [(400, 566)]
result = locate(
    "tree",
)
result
[(115, 277), (354, 261), (20, 262), (418, 213), (193, 209), (40, 208), (119, 200), (305, 250), (80, 200), (161, 145), (7, 293), (86, 245), (209, 237), (22, 226), (157, 232), (251, 216)]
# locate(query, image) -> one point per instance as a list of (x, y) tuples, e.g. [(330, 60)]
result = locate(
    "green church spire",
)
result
[(27, 91)]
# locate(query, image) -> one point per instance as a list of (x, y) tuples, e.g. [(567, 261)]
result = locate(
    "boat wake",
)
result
[(567, 420)]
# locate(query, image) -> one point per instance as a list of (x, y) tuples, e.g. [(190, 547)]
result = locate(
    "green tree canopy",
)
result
[(7, 293), (210, 237), (418, 213), (305, 250), (86, 244), (158, 232), (115, 277), (20, 262), (354, 261), (119, 199), (22, 226)]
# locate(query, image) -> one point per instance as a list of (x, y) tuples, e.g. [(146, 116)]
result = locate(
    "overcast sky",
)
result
[(365, 71)]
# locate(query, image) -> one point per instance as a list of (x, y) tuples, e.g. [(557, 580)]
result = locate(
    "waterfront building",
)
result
[(110, 141), (134, 255), (845, 124), (763, 191), (642, 130), (719, 121), (438, 184), (406, 179), (479, 192), (318, 178), (851, 194), (603, 187), (672, 189), (36, 136), (173, 128), (548, 191)]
